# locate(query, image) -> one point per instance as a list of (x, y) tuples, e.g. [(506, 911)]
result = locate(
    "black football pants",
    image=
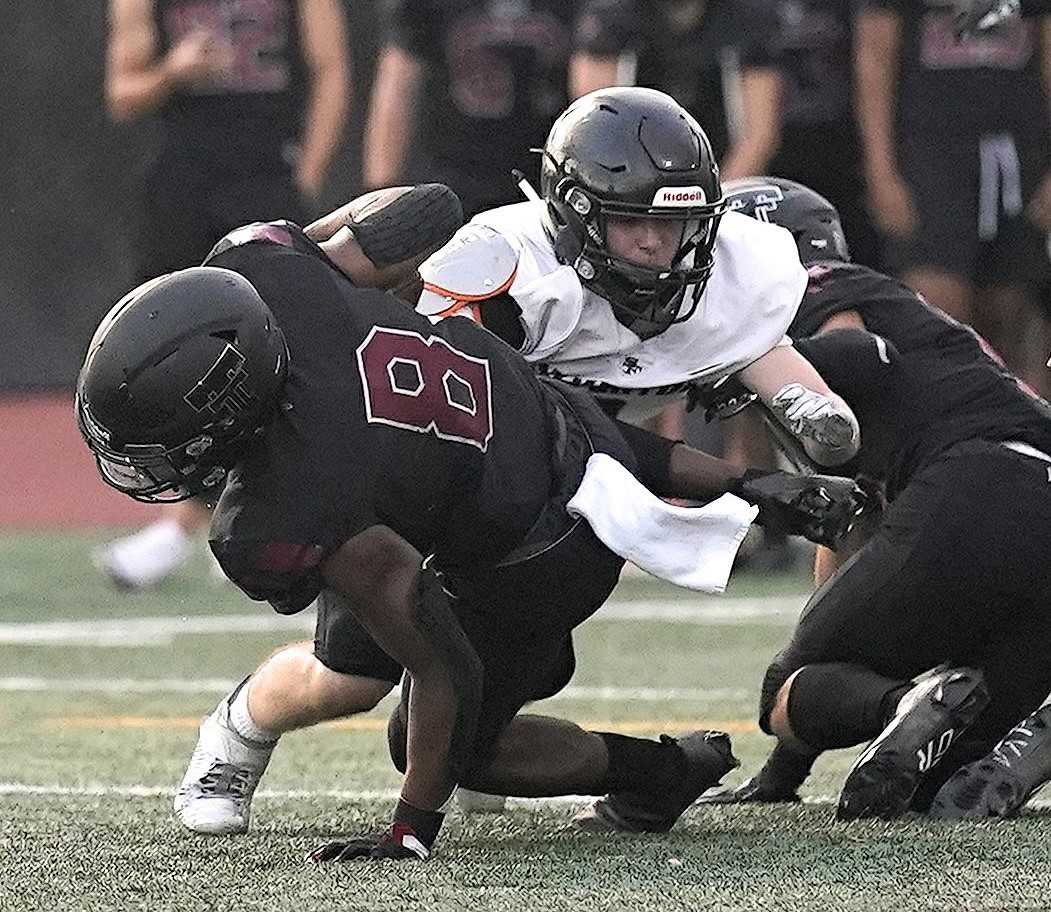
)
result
[(959, 571)]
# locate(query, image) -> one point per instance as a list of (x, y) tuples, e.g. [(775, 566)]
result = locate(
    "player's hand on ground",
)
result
[(822, 508), (751, 791), (398, 843)]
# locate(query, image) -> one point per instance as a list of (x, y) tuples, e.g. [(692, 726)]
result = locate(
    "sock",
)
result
[(241, 720), (637, 764), (786, 769), (837, 704)]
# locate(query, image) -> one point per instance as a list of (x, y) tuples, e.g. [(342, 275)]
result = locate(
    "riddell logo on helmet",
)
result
[(679, 196)]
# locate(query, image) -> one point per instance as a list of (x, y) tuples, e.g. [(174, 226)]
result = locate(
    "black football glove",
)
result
[(822, 508), (724, 398), (408, 838), (751, 791)]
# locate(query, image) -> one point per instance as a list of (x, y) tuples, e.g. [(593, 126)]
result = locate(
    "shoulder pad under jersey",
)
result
[(280, 233), (477, 264)]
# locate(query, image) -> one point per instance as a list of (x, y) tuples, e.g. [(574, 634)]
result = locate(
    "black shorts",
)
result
[(187, 209), (518, 616), (969, 196), (958, 571), (519, 619)]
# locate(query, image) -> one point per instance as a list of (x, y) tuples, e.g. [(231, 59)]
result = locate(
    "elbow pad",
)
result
[(825, 425)]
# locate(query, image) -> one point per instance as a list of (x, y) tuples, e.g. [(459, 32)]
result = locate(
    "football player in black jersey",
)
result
[(411, 477), (954, 575)]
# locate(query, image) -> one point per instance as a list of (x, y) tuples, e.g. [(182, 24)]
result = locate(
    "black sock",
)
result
[(837, 704), (638, 764), (786, 769)]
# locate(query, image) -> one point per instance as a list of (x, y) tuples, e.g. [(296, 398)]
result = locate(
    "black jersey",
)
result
[(496, 78), (436, 431), (989, 83), (694, 51), (951, 386), (248, 120)]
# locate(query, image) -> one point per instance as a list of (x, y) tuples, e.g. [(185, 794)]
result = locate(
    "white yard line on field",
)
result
[(220, 686), (158, 631), (101, 790)]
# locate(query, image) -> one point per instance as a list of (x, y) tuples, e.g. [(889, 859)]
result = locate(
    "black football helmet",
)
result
[(812, 219), (635, 152), (180, 376)]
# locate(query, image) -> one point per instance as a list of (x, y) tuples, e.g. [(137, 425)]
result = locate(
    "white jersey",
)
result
[(570, 332)]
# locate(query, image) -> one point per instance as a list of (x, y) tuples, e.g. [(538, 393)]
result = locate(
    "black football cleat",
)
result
[(1003, 780), (929, 718), (752, 791), (708, 757)]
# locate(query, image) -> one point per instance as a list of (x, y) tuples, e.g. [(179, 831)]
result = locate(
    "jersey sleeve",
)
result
[(858, 365), (285, 574)]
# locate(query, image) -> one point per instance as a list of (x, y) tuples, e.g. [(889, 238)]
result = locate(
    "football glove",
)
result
[(408, 838), (813, 416), (751, 791), (726, 397), (821, 508)]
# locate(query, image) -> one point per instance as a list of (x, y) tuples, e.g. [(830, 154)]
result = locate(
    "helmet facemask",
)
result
[(646, 299), (155, 473), (628, 152)]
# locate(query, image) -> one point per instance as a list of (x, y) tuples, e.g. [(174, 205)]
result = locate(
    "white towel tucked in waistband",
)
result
[(689, 546)]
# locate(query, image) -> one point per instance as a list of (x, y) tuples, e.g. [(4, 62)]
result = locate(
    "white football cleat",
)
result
[(146, 557), (215, 795)]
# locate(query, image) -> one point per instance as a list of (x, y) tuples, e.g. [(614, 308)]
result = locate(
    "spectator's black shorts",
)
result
[(187, 210), (970, 196)]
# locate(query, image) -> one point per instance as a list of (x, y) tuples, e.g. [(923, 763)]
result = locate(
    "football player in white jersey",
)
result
[(628, 278)]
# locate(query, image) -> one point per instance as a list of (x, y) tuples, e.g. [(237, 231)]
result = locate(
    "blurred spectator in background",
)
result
[(957, 152), (717, 59), (463, 90), (819, 142), (251, 98), (712, 56)]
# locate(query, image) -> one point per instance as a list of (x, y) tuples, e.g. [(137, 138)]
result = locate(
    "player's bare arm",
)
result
[(761, 91), (137, 81), (408, 615), (805, 405), (394, 89), (325, 46), (876, 56)]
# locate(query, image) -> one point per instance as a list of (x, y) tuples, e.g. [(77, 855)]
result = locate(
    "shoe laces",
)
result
[(1016, 741), (226, 780)]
